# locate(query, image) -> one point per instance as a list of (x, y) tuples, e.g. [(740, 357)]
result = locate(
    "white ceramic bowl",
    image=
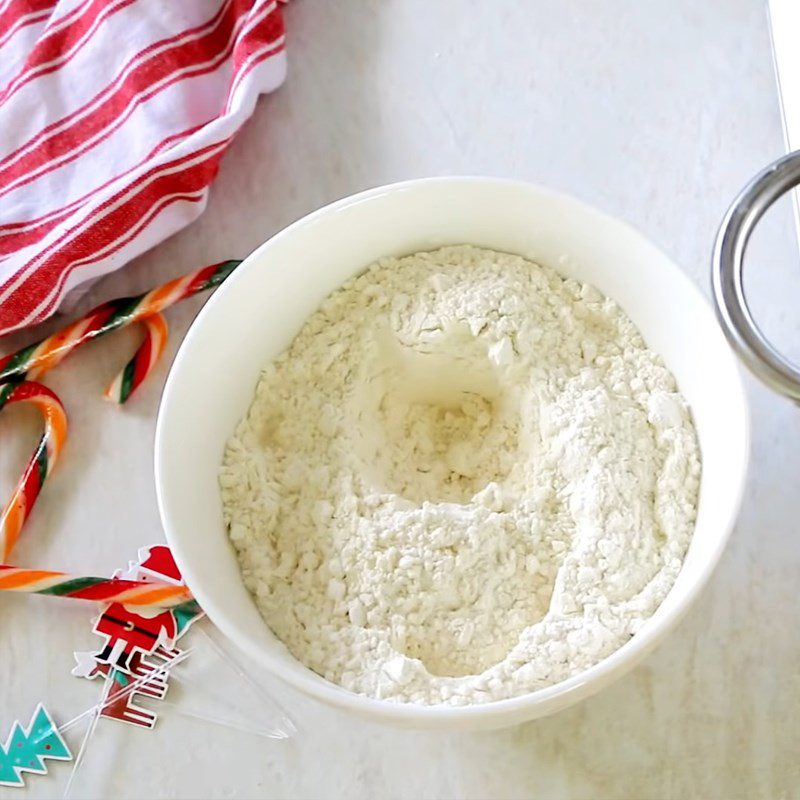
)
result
[(260, 308)]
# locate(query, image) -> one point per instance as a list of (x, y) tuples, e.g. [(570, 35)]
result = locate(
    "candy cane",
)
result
[(141, 594), (41, 463), (38, 358), (134, 373)]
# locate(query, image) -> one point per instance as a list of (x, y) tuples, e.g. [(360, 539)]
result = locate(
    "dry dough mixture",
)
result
[(466, 479)]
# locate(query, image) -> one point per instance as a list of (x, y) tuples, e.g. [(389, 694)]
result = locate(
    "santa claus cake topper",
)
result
[(138, 642)]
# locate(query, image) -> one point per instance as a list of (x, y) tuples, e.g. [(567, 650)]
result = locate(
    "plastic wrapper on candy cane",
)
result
[(33, 361), (41, 463)]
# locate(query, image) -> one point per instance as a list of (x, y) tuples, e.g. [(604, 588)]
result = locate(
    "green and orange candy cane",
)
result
[(44, 457), (33, 361), (136, 594)]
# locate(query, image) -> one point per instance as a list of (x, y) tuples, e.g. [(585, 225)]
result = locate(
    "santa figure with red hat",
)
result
[(141, 632)]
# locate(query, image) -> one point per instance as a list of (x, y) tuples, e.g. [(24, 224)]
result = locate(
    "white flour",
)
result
[(466, 479)]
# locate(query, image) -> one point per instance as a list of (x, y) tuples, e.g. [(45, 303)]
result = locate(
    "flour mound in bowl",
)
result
[(466, 479)]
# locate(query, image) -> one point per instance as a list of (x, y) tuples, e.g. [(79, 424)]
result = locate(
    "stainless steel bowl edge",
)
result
[(733, 312)]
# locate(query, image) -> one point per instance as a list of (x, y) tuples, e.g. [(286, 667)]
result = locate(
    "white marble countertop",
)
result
[(656, 112)]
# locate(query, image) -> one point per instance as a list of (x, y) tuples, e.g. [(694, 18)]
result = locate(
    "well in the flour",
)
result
[(436, 422)]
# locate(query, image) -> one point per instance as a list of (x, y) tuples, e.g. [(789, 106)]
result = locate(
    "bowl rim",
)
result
[(547, 699)]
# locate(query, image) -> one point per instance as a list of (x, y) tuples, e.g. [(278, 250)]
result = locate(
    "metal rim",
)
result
[(733, 312)]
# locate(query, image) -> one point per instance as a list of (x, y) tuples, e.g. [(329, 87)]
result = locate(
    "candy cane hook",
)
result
[(36, 359), (41, 463)]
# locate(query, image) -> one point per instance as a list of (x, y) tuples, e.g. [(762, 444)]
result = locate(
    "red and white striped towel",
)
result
[(114, 115)]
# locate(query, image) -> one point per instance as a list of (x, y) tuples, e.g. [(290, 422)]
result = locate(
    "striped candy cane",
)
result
[(133, 374), (41, 463), (36, 359), (139, 594)]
